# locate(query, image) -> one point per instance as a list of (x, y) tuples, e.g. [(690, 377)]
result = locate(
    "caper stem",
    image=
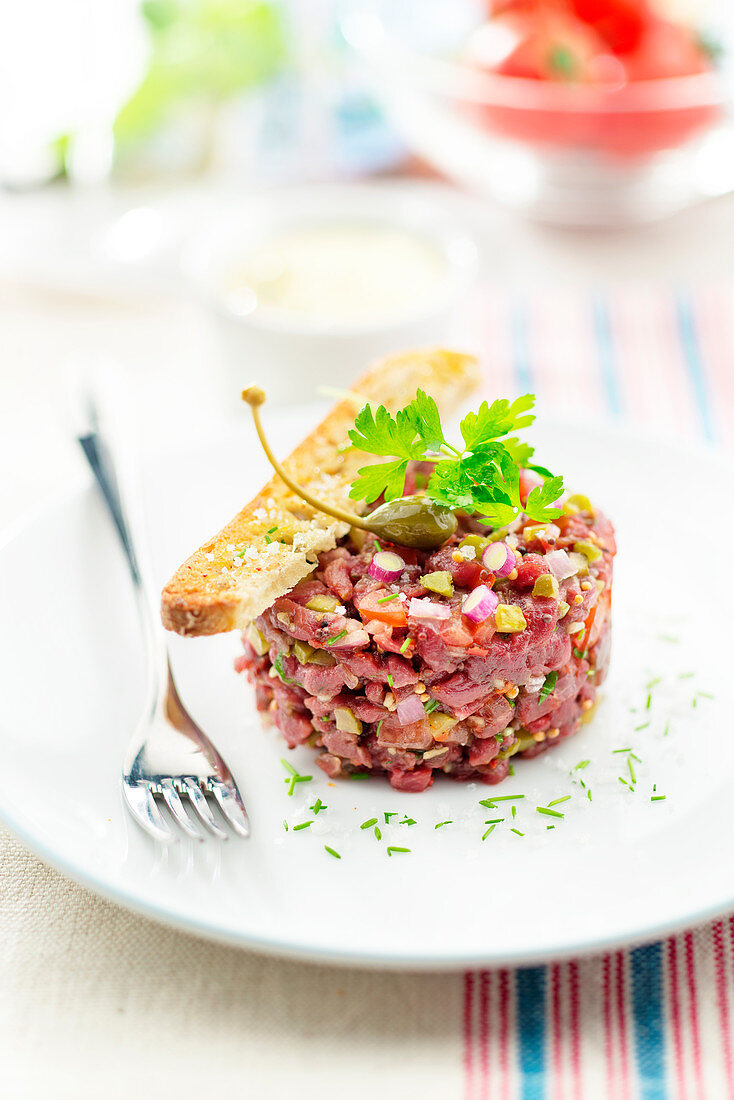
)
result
[(255, 397)]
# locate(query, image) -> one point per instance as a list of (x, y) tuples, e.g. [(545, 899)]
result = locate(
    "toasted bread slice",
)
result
[(275, 540)]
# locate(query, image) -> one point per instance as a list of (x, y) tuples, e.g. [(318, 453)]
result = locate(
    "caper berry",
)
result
[(412, 521)]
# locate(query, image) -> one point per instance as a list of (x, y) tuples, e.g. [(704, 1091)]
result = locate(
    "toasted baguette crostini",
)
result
[(275, 540)]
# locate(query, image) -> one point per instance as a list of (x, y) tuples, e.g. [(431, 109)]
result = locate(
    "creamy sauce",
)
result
[(338, 274)]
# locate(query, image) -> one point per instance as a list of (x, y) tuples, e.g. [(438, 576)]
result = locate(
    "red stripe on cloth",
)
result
[(483, 1034), (556, 1040), (573, 1015), (469, 1036), (504, 1034), (620, 986), (690, 958), (722, 1000), (675, 1017), (606, 985)]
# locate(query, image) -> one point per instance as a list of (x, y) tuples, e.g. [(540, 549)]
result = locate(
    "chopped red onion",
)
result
[(479, 604), (499, 558), (560, 564), (428, 609), (410, 710), (386, 566)]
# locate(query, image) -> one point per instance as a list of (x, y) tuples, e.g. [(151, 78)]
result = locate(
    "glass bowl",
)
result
[(564, 153)]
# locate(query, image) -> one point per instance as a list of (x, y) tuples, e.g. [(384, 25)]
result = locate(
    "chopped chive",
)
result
[(666, 731), (514, 812), (408, 821), (620, 750), (394, 849), (285, 824), (390, 681), (369, 823), (649, 701), (491, 829), (657, 798), (359, 775), (388, 816), (581, 655), (694, 704), (431, 705), (303, 825), (408, 642), (317, 807), (378, 545), (547, 688), (494, 821), (652, 683), (704, 695), (622, 780), (296, 779), (686, 675), (288, 767), (630, 765), (338, 638), (386, 599), (440, 824), (379, 727), (558, 801), (550, 826), (331, 852), (588, 795), (517, 831), (511, 769), (378, 834), (273, 530), (549, 813), (581, 764), (641, 727), (490, 802)]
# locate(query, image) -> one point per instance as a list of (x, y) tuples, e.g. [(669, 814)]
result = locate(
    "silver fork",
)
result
[(169, 757)]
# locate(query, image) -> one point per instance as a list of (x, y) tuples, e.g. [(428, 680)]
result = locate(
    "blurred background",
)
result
[(212, 190)]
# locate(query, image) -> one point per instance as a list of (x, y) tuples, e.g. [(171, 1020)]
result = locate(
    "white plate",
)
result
[(617, 869)]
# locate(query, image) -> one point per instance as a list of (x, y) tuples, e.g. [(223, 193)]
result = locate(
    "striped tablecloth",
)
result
[(654, 1022)]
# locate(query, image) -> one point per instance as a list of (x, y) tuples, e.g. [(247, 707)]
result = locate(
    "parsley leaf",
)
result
[(483, 478)]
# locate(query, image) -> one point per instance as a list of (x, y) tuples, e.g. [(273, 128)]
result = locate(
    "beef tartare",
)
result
[(409, 662)]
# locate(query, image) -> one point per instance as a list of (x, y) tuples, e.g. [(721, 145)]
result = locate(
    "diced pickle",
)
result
[(509, 619), (589, 549), (546, 585), (440, 724), (347, 721), (257, 640), (535, 531), (524, 741), (307, 655), (323, 603), (440, 582), (477, 541), (563, 609), (578, 503)]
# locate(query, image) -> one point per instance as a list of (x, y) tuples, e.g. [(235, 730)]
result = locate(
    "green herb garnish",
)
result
[(482, 476), (303, 825), (337, 638), (581, 764), (431, 705), (517, 831), (550, 813), (490, 802), (547, 688), (278, 666), (490, 830), (386, 599), (390, 682), (440, 824), (408, 821), (331, 852), (657, 798), (317, 807), (408, 641), (558, 801), (393, 849), (389, 815), (369, 823)]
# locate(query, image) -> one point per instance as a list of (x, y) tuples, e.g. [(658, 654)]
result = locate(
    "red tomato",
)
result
[(666, 50), (620, 23), (393, 612)]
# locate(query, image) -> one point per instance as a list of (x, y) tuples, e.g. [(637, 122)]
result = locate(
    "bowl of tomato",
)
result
[(577, 111)]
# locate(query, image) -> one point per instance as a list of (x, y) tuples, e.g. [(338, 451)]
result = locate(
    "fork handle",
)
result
[(99, 455)]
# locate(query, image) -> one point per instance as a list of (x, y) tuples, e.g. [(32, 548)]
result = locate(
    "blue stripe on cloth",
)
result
[(646, 969), (520, 347), (694, 362), (530, 989), (605, 344)]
